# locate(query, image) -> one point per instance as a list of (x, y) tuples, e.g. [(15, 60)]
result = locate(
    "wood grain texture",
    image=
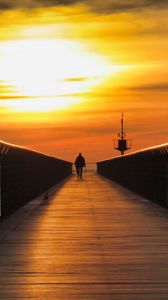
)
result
[(91, 239)]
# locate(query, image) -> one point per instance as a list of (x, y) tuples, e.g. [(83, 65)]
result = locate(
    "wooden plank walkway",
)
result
[(92, 240)]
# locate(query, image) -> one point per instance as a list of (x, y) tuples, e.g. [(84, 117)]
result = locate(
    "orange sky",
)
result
[(67, 72)]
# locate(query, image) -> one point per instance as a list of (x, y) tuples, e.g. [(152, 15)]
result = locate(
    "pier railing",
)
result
[(145, 172), (26, 174)]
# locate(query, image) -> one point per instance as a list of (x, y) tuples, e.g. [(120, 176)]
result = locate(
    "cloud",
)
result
[(118, 6), (99, 6), (76, 79), (14, 97), (29, 4), (151, 87)]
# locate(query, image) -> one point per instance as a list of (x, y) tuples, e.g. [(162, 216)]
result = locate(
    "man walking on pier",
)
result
[(79, 164)]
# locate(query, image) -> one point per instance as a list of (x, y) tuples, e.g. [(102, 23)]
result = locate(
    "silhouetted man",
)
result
[(79, 164)]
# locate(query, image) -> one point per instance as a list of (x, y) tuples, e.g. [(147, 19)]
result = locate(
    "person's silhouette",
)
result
[(79, 164)]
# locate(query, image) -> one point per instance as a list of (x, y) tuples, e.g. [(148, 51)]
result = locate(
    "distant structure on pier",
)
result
[(122, 144)]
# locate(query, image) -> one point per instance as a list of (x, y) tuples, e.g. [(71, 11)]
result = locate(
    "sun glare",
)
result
[(50, 67), (56, 72), (39, 104)]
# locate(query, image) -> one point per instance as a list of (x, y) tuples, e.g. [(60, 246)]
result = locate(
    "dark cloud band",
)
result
[(161, 87), (99, 6)]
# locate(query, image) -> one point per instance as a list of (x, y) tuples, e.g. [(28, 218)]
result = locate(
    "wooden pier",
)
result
[(91, 239)]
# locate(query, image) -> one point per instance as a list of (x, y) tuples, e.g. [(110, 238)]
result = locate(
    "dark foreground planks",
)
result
[(91, 240)]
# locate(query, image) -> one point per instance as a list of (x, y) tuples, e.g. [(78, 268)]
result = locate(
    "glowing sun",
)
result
[(50, 67)]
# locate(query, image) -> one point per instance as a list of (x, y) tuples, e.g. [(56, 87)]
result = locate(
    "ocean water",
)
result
[(90, 168)]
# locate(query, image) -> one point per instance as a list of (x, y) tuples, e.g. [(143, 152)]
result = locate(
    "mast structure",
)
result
[(122, 142), (122, 133)]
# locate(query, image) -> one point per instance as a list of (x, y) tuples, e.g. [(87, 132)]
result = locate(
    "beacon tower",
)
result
[(122, 142)]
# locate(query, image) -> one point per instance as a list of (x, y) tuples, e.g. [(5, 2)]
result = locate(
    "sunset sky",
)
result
[(68, 68)]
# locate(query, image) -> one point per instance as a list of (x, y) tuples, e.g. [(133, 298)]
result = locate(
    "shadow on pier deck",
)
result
[(91, 240)]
